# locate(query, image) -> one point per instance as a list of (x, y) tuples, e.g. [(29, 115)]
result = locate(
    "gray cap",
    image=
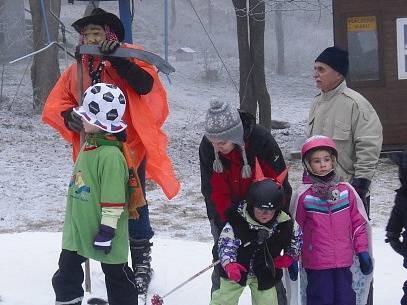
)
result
[(223, 122)]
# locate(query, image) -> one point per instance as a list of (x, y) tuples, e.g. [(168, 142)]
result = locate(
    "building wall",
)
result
[(388, 95)]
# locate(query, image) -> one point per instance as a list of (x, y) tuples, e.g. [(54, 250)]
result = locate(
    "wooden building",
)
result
[(375, 34)]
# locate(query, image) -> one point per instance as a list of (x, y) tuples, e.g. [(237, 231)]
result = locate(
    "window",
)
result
[(402, 47), (363, 48)]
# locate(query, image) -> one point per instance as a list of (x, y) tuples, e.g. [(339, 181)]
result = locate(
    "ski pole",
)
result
[(157, 300)]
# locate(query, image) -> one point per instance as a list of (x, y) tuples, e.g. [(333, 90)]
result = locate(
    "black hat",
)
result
[(101, 17), (336, 58), (265, 194)]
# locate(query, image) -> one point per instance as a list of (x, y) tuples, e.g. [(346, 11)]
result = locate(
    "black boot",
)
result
[(141, 262)]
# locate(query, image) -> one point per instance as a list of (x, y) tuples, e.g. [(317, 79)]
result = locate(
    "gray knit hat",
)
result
[(223, 122)]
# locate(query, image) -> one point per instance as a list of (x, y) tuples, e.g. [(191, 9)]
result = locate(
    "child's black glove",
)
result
[(262, 236), (72, 121), (103, 240)]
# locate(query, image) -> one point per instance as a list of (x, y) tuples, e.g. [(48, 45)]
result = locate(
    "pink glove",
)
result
[(233, 270), (284, 261)]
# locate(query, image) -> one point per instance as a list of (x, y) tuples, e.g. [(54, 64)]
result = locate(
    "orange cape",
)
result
[(144, 116)]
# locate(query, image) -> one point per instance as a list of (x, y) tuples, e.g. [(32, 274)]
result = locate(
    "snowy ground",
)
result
[(36, 166), (29, 260)]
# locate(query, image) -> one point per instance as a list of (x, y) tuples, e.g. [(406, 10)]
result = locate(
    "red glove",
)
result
[(234, 270), (284, 261)]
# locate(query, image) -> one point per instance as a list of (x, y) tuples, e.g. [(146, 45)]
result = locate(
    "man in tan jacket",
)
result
[(349, 119)]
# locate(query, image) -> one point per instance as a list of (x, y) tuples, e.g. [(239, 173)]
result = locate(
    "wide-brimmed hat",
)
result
[(101, 17)]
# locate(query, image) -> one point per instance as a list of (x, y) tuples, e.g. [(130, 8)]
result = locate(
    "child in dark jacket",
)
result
[(397, 224), (250, 245)]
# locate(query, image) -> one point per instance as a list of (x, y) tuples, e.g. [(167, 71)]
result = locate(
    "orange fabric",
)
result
[(259, 175), (144, 117)]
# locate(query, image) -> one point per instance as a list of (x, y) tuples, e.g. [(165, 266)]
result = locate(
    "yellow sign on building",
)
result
[(365, 23)]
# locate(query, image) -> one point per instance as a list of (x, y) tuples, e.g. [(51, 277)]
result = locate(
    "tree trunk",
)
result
[(253, 88), (45, 68), (257, 23), (280, 40), (245, 88)]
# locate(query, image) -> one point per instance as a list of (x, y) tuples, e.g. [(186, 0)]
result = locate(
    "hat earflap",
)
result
[(217, 164), (246, 169)]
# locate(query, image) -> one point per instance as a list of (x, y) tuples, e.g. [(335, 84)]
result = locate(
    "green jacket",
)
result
[(99, 178)]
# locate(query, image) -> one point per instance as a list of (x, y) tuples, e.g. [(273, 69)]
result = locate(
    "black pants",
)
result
[(403, 300), (67, 281)]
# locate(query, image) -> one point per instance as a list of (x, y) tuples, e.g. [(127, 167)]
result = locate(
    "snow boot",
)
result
[(141, 262)]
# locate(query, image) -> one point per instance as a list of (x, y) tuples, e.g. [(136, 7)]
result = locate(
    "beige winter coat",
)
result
[(350, 120)]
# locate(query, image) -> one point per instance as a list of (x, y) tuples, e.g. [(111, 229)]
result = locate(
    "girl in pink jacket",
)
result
[(334, 225)]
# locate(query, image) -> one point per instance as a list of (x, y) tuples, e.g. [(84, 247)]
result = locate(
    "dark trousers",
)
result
[(330, 287), (404, 298), (141, 228), (67, 281)]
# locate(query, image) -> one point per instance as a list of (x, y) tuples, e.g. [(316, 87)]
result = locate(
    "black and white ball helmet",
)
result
[(104, 106)]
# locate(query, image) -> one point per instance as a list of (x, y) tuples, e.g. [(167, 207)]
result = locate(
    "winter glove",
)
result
[(366, 265), (234, 270), (72, 121), (262, 236), (361, 186), (108, 46), (103, 240), (284, 261), (293, 271)]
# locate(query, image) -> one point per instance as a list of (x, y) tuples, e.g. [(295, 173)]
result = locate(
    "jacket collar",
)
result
[(326, 96)]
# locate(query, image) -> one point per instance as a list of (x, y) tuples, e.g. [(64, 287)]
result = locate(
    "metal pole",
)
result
[(125, 16), (166, 29), (44, 18)]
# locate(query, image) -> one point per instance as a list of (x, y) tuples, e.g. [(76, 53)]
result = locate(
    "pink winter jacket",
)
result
[(333, 231)]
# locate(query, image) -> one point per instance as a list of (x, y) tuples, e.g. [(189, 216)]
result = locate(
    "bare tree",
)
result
[(279, 26), (45, 68), (250, 20)]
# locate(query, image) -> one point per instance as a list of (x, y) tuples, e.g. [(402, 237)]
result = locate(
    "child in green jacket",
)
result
[(101, 192)]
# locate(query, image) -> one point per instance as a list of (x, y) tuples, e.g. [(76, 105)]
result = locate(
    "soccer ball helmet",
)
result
[(103, 106)]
